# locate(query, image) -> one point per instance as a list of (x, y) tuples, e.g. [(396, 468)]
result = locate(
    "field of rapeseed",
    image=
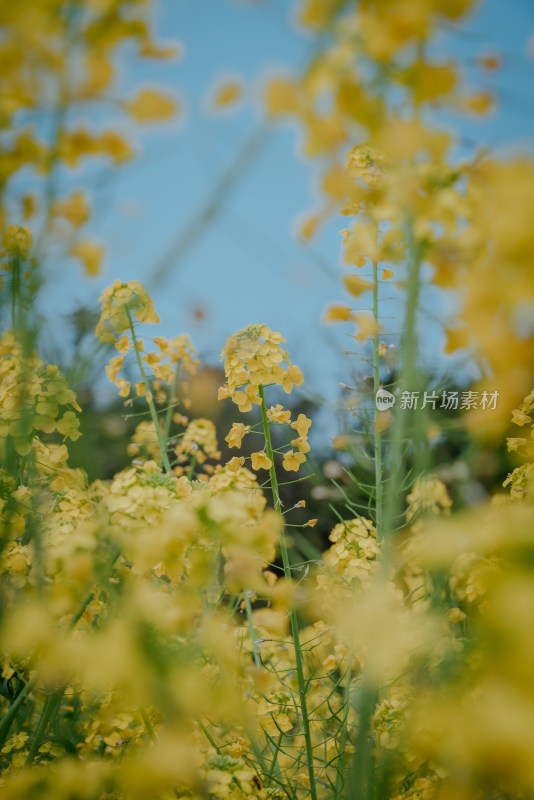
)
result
[(195, 621)]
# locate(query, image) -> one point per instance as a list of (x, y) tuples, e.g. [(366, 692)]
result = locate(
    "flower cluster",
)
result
[(120, 303), (198, 443), (521, 480), (252, 358), (34, 399)]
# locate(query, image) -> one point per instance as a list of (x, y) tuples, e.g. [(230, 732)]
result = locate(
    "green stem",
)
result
[(192, 465), (362, 783), (299, 661), (377, 434), (274, 763), (255, 649), (406, 383), (7, 719), (340, 778), (15, 289), (148, 725), (50, 708), (150, 401), (168, 413)]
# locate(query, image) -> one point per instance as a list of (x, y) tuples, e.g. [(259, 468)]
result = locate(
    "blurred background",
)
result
[(209, 213)]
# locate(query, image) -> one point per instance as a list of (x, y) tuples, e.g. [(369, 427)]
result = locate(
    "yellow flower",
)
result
[(74, 208), (17, 239), (281, 97), (151, 106), (514, 443), (199, 438), (123, 344), (302, 425), (260, 461), (235, 436), (90, 255), (235, 463), (253, 357), (355, 285), (226, 94), (118, 301), (277, 413), (68, 426), (301, 443), (292, 461), (367, 326), (338, 313), (519, 417)]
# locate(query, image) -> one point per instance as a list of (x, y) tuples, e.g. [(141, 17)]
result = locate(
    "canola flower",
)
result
[(158, 637), (254, 359)]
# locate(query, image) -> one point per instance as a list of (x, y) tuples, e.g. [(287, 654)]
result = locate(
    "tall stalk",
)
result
[(379, 489), (152, 408), (407, 379), (299, 661)]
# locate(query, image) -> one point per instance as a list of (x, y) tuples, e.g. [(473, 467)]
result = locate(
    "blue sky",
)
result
[(247, 265)]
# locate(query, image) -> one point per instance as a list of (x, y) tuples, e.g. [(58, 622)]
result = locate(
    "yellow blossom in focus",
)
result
[(118, 301), (235, 436), (278, 414), (260, 460), (253, 357), (292, 461), (302, 425)]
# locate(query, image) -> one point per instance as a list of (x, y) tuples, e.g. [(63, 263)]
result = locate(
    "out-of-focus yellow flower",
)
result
[(76, 210), (281, 97), (226, 94), (90, 254), (17, 239), (151, 106)]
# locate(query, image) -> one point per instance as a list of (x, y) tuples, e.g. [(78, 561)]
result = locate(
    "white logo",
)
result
[(384, 399)]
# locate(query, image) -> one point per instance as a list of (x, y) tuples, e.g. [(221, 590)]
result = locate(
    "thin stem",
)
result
[(340, 766), (192, 465), (378, 437), (168, 413), (299, 661), (148, 725), (255, 649), (15, 289), (150, 401)]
